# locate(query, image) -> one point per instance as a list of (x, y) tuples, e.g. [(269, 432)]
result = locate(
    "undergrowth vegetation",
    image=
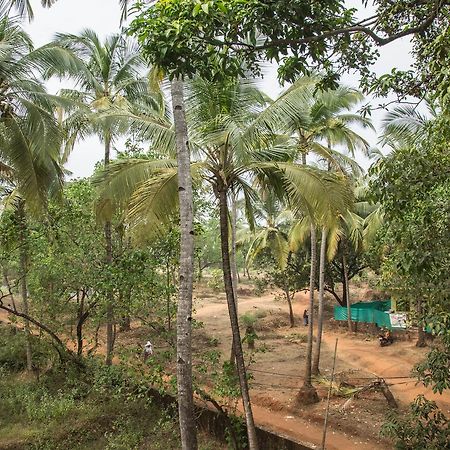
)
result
[(97, 407)]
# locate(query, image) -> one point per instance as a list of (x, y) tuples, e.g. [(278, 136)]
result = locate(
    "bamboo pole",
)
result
[(325, 423)]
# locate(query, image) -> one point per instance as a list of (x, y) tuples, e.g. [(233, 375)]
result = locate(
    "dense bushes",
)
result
[(98, 407), (12, 350)]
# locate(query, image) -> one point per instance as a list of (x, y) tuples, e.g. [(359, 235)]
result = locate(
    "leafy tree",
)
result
[(219, 117), (30, 140), (412, 185), (108, 77), (302, 36), (424, 426)]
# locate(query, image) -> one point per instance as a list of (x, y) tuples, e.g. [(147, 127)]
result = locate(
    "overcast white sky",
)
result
[(71, 16)]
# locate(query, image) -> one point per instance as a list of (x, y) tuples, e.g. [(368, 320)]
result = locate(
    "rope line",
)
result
[(355, 378)]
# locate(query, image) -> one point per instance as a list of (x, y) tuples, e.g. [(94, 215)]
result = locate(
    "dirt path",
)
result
[(278, 374)]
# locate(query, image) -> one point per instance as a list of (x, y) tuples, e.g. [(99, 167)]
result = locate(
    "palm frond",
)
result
[(322, 195), (117, 183), (372, 223), (299, 233), (402, 126)]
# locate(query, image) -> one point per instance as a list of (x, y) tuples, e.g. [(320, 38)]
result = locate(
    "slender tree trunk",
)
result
[(237, 344), (233, 250), (421, 340), (322, 261), (200, 269), (8, 285), (23, 269), (82, 317), (287, 293), (168, 296), (123, 300), (184, 313), (308, 393), (233, 263), (109, 295), (347, 292)]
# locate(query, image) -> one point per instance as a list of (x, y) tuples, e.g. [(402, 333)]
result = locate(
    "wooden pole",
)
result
[(325, 423)]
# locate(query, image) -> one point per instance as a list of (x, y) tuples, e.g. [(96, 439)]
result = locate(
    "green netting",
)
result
[(367, 312), (382, 319)]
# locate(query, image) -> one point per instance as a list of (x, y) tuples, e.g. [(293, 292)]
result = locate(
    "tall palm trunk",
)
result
[(233, 262), (233, 250), (109, 258), (322, 260), (184, 312), (308, 394), (287, 293), (228, 282), (347, 291), (23, 278)]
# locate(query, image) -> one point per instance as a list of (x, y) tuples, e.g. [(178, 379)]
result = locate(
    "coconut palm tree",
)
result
[(218, 120), (273, 236), (318, 122), (30, 142), (108, 78)]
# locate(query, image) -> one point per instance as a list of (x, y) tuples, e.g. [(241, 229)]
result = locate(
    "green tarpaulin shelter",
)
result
[(368, 312)]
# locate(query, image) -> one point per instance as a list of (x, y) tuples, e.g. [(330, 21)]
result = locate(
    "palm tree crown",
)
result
[(30, 138)]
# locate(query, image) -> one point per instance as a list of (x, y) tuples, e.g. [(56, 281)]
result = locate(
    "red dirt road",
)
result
[(278, 372)]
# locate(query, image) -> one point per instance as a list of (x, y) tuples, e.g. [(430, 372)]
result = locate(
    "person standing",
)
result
[(305, 318), (148, 350)]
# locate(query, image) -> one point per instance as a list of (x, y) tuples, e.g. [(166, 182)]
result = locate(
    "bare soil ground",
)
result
[(278, 372), (277, 369)]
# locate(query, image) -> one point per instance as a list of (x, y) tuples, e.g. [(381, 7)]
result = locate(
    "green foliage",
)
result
[(240, 432), (12, 350), (434, 370), (68, 278), (237, 34), (228, 381), (261, 284), (99, 408), (413, 186), (124, 435), (294, 277), (248, 319), (424, 427), (215, 281)]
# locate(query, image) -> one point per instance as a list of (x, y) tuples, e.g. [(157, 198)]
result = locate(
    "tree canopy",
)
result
[(216, 38)]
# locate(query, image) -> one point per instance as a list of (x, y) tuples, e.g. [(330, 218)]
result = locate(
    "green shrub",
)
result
[(124, 436), (13, 356), (248, 319), (216, 280), (423, 427), (261, 285), (50, 406)]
